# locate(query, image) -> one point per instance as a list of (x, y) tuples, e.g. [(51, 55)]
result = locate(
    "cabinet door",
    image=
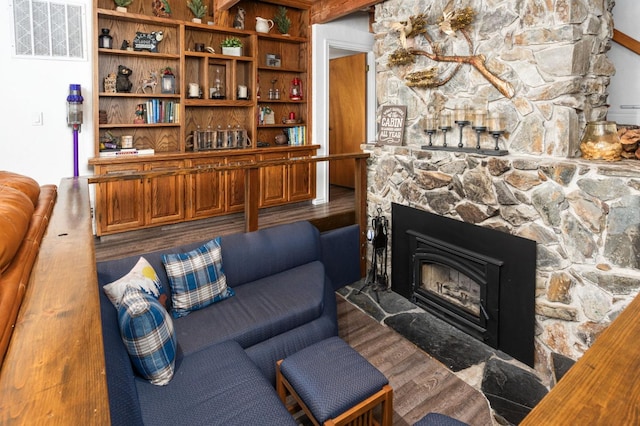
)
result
[(302, 178), (164, 195), (273, 181), (119, 204), (235, 183), (205, 190)]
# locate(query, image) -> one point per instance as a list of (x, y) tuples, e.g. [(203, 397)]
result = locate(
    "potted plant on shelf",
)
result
[(198, 9), (121, 5), (282, 20), (231, 46)]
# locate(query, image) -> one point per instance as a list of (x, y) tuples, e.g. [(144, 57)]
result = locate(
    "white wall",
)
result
[(625, 84), (347, 34), (35, 86)]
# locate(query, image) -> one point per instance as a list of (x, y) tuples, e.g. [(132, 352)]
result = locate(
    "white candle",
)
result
[(242, 92), (480, 118), (462, 113), (445, 119), (496, 122), (430, 122)]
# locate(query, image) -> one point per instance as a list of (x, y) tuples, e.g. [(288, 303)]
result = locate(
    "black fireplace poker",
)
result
[(377, 277)]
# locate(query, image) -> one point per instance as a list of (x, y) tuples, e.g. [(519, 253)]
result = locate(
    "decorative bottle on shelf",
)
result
[(105, 41)]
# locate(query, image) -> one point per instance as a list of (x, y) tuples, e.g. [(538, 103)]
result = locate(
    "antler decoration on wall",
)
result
[(452, 22)]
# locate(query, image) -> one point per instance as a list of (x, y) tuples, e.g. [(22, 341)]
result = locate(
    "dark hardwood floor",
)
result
[(421, 384)]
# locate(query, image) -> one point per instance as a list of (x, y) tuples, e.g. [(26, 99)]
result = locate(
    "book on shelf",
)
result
[(156, 111), (126, 152), (297, 135)]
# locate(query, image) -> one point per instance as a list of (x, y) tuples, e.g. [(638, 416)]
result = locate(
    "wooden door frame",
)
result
[(321, 103)]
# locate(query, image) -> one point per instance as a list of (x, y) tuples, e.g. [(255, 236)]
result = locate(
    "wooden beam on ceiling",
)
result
[(323, 11)]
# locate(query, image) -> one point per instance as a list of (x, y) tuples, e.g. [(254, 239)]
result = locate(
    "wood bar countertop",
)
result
[(54, 371), (603, 387)]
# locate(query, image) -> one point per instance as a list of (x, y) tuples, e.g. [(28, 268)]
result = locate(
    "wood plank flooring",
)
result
[(420, 383)]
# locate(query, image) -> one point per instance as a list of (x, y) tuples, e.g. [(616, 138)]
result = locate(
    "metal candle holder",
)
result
[(496, 135), (461, 124), (445, 129), (430, 132), (479, 130)]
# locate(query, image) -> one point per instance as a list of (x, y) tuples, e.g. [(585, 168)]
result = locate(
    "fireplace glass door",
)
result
[(452, 286)]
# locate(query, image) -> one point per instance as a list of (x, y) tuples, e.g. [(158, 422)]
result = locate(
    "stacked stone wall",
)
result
[(584, 216), (553, 54)]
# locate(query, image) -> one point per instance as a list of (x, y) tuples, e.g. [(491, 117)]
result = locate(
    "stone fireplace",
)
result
[(583, 215)]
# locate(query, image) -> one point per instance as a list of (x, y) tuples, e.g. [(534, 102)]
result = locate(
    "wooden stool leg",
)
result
[(361, 414), (282, 392)]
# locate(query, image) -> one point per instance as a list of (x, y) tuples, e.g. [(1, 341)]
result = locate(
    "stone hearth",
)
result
[(583, 215), (511, 387)]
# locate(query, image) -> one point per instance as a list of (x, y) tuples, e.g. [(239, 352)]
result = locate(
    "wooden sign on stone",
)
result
[(392, 124)]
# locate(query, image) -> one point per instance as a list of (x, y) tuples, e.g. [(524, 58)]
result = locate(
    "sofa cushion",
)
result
[(24, 184), (142, 277), (148, 334), (216, 386), (260, 310), (196, 278), (253, 255), (16, 210)]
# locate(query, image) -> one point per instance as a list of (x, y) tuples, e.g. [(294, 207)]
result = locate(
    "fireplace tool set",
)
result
[(377, 277)]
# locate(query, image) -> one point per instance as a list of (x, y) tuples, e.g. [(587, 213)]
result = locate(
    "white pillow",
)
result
[(143, 277)]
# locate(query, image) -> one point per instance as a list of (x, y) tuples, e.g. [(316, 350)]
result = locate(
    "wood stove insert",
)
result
[(478, 279)]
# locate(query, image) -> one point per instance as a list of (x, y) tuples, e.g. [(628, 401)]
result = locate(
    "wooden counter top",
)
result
[(602, 388), (54, 370)]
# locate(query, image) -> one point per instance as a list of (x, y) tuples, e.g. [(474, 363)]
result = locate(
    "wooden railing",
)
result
[(624, 40), (252, 185)]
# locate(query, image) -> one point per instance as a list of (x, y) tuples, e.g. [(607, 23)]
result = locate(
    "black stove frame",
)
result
[(497, 256)]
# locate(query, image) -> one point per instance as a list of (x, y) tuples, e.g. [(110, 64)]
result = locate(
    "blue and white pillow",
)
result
[(196, 278), (147, 332)]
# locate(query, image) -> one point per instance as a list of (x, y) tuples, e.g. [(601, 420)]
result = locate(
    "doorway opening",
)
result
[(347, 112)]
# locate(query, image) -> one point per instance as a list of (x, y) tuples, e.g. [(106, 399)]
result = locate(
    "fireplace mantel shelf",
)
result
[(481, 151)]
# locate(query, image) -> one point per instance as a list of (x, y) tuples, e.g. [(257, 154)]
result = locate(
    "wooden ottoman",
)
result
[(334, 385)]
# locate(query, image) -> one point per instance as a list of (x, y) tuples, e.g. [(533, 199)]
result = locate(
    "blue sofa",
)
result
[(284, 279)]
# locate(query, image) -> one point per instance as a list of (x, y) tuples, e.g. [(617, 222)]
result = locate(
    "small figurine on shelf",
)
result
[(110, 83), (282, 20), (123, 84), (121, 5), (198, 8), (238, 21), (161, 8), (150, 82), (139, 119)]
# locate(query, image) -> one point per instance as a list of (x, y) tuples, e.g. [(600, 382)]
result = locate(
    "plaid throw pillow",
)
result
[(147, 332), (196, 278)]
